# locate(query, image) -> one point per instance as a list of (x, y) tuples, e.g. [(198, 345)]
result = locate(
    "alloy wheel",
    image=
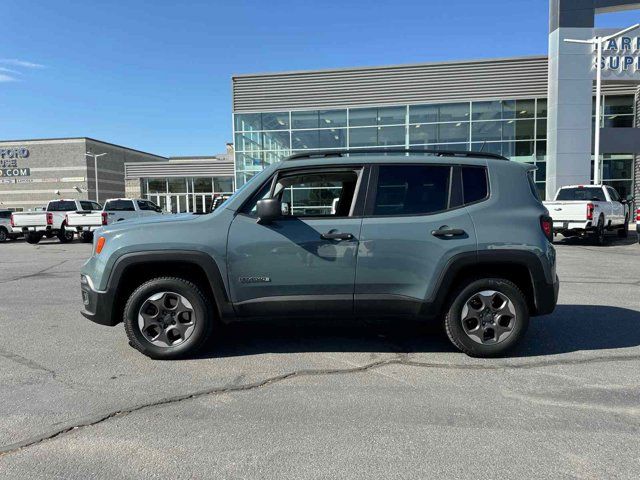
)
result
[(166, 319), (488, 317)]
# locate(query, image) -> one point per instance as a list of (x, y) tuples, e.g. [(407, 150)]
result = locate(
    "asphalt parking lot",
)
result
[(323, 400)]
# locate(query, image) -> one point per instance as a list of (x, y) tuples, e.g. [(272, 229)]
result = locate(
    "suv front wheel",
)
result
[(168, 318), (487, 317)]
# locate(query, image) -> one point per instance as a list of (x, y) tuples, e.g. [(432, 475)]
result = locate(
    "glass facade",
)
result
[(186, 194), (516, 129)]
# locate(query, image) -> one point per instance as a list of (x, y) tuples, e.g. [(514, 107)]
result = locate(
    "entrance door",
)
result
[(304, 262)]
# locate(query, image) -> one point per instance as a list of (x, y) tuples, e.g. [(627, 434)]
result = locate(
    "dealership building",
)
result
[(536, 109), (33, 172)]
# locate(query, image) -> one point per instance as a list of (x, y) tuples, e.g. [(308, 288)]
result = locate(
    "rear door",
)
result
[(415, 222)]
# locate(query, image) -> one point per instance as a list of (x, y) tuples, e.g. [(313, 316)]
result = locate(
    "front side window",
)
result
[(317, 194), (146, 205), (412, 189), (120, 206)]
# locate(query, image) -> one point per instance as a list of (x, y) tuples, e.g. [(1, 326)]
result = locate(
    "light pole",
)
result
[(95, 168), (598, 42)]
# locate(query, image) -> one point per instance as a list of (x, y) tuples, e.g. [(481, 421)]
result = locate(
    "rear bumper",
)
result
[(546, 296), (85, 228), (96, 306), (560, 226)]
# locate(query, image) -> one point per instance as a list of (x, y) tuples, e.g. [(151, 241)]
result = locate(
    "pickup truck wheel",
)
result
[(168, 318), (87, 237), (624, 231), (487, 317), (4, 235), (599, 235), (33, 238), (65, 236)]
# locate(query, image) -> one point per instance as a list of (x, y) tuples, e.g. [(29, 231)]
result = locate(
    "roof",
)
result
[(80, 138)]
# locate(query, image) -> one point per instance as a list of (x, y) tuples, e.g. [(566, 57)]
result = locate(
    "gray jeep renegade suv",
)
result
[(458, 236)]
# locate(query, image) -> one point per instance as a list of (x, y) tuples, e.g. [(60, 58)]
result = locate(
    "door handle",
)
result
[(448, 232), (336, 236)]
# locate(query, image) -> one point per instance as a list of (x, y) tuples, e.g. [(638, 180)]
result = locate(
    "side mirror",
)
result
[(268, 209)]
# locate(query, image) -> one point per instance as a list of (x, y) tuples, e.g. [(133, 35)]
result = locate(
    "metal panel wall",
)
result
[(423, 83), (213, 168)]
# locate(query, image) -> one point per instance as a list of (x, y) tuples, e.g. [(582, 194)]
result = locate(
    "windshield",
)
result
[(581, 193)]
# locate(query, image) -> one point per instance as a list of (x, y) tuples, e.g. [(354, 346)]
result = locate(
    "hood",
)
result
[(153, 220)]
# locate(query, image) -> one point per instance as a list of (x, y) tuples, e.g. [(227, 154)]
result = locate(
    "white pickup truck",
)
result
[(115, 210), (589, 209), (50, 222)]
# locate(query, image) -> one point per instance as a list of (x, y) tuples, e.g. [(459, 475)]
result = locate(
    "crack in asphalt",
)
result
[(35, 274), (400, 359)]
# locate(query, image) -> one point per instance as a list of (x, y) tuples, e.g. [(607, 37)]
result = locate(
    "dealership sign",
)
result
[(14, 152), (15, 172), (9, 162), (620, 55)]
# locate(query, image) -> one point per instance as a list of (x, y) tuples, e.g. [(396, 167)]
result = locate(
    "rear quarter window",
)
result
[(475, 186)]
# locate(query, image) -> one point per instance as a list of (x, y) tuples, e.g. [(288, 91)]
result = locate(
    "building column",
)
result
[(569, 109)]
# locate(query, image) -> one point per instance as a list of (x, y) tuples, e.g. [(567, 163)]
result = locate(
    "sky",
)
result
[(155, 75)]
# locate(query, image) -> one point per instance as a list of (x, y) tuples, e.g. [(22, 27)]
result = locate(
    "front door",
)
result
[(303, 263), (415, 223)]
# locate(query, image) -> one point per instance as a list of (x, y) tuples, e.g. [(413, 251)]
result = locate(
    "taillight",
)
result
[(13, 223), (546, 223), (590, 208), (637, 216), (105, 217), (49, 218)]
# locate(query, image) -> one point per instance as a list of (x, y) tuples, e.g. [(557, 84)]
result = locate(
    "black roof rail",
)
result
[(437, 153)]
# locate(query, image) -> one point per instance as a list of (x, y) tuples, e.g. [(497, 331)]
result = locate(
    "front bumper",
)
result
[(97, 306)]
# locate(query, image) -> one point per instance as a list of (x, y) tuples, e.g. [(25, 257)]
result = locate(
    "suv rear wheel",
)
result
[(487, 317), (4, 235), (167, 318)]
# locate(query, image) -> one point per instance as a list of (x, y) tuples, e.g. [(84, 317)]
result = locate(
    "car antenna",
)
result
[(482, 147)]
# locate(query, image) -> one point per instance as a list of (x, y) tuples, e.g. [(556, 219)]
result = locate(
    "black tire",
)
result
[(202, 309), (33, 238), (4, 235), (86, 237), (624, 231), (465, 294), (65, 236), (599, 236)]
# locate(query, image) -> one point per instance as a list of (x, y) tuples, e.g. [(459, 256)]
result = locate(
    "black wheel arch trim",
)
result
[(198, 258), (545, 288)]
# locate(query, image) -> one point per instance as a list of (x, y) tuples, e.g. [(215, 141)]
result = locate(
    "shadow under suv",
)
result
[(457, 236)]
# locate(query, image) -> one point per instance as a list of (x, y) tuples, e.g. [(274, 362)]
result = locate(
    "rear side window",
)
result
[(119, 206), (474, 184), (581, 193), (5, 214), (62, 206), (412, 189)]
